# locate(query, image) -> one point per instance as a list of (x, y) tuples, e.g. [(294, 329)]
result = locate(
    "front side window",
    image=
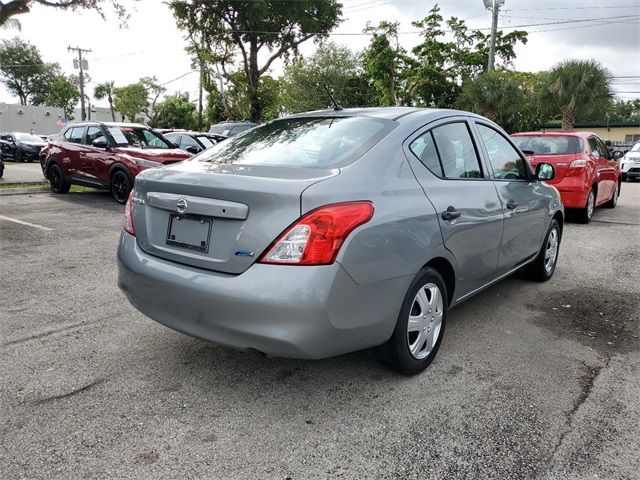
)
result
[(457, 153), (505, 160), (301, 142), (137, 137), (93, 133), (187, 141)]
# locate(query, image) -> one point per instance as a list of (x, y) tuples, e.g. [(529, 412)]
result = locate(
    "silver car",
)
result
[(328, 232)]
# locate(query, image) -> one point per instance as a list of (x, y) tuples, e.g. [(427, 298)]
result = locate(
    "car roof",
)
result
[(555, 133), (109, 124), (191, 132)]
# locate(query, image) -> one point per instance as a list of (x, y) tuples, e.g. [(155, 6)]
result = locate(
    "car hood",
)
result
[(161, 155), (33, 144)]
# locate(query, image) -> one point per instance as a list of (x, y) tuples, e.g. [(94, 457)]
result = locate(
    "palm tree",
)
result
[(11, 23), (103, 90), (495, 95), (577, 89)]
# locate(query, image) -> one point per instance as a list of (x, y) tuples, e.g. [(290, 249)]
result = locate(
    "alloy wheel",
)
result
[(551, 250), (56, 177), (120, 186), (591, 201), (425, 321)]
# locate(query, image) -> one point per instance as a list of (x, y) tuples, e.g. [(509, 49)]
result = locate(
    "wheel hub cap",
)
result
[(425, 321)]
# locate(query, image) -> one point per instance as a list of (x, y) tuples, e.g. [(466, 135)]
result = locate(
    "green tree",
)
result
[(336, 67), (576, 89), (249, 27), (215, 111), (22, 67), (384, 62), (175, 111), (154, 92), (11, 8), (442, 61), (57, 90), (495, 95), (239, 100), (131, 101), (105, 90), (624, 109)]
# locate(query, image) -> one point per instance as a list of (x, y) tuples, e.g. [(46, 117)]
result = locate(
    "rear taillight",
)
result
[(576, 168), (127, 219), (316, 238)]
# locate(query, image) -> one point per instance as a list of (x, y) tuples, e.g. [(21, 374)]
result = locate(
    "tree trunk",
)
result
[(113, 112), (568, 118), (253, 83)]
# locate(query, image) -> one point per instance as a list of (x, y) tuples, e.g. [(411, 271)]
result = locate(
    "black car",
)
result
[(193, 142), (21, 147), (229, 129), (1, 165)]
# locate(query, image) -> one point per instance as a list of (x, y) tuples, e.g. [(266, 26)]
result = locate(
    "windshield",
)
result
[(549, 144), (137, 137), (26, 137), (303, 142), (636, 148)]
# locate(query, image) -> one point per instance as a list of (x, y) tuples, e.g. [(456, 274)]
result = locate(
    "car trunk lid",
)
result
[(216, 216), (561, 163), (160, 155)]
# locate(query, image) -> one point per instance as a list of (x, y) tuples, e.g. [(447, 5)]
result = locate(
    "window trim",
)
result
[(527, 166), (429, 127)]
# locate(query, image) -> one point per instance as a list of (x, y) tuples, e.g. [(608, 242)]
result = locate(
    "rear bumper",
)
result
[(573, 191), (288, 311)]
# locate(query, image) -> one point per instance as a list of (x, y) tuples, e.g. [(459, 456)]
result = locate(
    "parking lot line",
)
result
[(21, 222)]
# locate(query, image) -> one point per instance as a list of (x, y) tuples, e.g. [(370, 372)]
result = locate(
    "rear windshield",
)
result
[(138, 137), (549, 144), (304, 142)]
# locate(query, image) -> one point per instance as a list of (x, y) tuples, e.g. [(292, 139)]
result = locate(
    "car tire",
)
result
[(614, 198), (586, 214), (57, 180), (624, 177), (420, 325), (120, 185), (544, 265), (1, 170), (18, 157)]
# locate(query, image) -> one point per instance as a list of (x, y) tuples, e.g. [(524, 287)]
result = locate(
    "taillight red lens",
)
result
[(127, 220), (316, 238), (576, 168)]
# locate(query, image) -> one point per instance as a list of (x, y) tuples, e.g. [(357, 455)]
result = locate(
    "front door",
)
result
[(95, 160), (524, 205), (445, 161)]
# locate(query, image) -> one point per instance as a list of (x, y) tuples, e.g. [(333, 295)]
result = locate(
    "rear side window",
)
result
[(302, 142), (593, 147), (424, 148), (505, 160), (74, 134), (457, 153)]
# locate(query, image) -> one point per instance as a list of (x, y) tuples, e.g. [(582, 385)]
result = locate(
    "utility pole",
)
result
[(82, 65), (494, 6)]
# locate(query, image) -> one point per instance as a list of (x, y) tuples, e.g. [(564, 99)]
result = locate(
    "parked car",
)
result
[(328, 232), (587, 174), (229, 129), (20, 147), (630, 164), (193, 142), (105, 155), (1, 165)]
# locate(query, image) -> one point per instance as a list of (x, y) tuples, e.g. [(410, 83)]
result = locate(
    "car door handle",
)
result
[(450, 214), (511, 205)]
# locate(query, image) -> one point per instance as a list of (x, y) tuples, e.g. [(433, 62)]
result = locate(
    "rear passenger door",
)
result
[(446, 163), (524, 205)]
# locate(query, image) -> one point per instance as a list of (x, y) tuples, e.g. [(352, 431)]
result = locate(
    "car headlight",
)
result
[(146, 163)]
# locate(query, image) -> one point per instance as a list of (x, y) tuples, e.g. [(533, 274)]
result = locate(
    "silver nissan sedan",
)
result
[(332, 231)]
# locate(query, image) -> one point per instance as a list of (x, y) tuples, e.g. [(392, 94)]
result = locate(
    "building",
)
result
[(25, 118), (618, 131)]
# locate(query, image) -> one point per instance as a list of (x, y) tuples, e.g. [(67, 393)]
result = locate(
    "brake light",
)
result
[(316, 238), (576, 167), (127, 220)]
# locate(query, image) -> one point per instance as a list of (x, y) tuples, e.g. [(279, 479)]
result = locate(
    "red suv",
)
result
[(105, 156), (587, 174)]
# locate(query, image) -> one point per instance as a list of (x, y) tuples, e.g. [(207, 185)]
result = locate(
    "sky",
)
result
[(151, 45)]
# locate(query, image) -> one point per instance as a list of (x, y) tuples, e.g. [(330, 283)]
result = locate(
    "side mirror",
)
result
[(617, 154), (192, 149), (545, 172), (607, 143), (99, 143)]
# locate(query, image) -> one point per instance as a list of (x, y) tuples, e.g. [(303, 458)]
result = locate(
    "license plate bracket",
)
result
[(189, 231)]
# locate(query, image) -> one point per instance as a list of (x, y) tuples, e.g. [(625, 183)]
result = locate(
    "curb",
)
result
[(22, 191)]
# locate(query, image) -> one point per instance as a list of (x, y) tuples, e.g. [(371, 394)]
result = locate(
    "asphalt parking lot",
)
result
[(532, 380), (22, 173)]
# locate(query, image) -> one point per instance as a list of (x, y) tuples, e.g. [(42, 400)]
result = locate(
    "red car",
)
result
[(587, 174), (105, 156)]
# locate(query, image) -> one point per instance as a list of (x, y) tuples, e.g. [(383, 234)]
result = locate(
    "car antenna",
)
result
[(336, 106)]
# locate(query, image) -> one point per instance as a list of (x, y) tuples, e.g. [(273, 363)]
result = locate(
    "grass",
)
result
[(44, 186)]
